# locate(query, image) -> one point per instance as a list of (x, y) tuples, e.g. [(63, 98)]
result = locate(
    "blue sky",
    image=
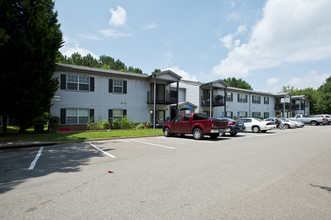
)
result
[(268, 43)]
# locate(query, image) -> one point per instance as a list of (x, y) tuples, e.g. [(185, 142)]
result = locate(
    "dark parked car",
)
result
[(234, 126)]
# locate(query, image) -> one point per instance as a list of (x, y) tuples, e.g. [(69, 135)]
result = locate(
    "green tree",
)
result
[(156, 71), (324, 97), (28, 58), (238, 83)]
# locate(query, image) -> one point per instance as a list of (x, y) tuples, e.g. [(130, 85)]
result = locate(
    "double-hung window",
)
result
[(77, 116), (229, 97), (256, 99), (256, 114), (80, 83), (242, 98), (117, 114), (242, 114), (118, 86), (266, 100)]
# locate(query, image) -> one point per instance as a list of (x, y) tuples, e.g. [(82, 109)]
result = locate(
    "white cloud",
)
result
[(149, 26), (272, 81), (118, 17), (89, 36), (311, 80), (68, 51), (229, 41), (290, 32), (114, 33), (182, 73)]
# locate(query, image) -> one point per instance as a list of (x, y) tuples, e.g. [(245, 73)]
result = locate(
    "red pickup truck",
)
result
[(197, 124)]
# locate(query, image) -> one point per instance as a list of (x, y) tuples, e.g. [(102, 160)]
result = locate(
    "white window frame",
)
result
[(242, 114), (78, 115), (256, 99), (229, 97), (118, 84), (78, 82), (241, 99), (117, 114), (266, 100)]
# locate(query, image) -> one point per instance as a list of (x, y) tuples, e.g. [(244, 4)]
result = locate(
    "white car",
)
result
[(288, 123), (256, 125), (299, 124)]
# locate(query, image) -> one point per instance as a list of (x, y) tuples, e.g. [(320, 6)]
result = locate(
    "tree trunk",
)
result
[(4, 124)]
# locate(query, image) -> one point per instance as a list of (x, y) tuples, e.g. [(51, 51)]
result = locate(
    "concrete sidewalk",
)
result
[(23, 144)]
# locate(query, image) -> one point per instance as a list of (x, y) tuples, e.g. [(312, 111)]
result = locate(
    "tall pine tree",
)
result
[(27, 56)]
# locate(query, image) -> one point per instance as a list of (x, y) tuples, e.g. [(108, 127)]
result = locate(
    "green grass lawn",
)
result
[(69, 136)]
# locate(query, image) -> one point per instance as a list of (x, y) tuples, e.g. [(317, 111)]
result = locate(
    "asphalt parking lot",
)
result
[(282, 174)]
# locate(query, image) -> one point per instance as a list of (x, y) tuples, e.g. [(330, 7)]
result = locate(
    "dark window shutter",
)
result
[(110, 114), (125, 85), (110, 86), (124, 112), (238, 98), (62, 116), (63, 81), (92, 84), (92, 114), (246, 99)]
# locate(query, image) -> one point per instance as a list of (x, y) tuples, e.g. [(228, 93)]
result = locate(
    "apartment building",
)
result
[(102, 94)]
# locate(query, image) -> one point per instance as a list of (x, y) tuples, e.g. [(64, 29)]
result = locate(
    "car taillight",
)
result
[(268, 123), (231, 123)]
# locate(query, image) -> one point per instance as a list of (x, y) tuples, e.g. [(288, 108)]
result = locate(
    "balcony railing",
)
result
[(280, 106), (217, 100), (167, 99)]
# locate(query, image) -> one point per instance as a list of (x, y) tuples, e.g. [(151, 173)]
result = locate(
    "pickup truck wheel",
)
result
[(256, 129), (166, 132), (197, 134), (313, 123), (213, 136)]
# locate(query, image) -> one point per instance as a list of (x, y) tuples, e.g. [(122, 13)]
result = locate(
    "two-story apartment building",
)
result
[(101, 94), (228, 101)]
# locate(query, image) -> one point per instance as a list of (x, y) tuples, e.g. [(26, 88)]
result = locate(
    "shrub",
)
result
[(90, 124), (261, 117), (235, 117), (115, 124), (126, 123), (140, 126), (106, 124), (99, 125)]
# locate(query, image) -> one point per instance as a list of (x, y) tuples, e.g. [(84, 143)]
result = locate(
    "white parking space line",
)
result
[(33, 163), (108, 154), (196, 141), (157, 145)]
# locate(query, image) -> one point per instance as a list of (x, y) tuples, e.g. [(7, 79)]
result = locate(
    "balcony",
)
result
[(280, 106), (167, 99), (218, 100)]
